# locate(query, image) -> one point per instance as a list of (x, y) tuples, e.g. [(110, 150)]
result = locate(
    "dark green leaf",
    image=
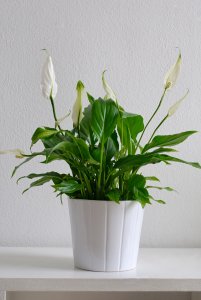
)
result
[(152, 178), (160, 201), (135, 161), (137, 181), (68, 187), (114, 195), (90, 98), (41, 133), (163, 150), (27, 160), (167, 188), (168, 140), (111, 146), (129, 126), (38, 182), (85, 125), (167, 158), (104, 118), (51, 175)]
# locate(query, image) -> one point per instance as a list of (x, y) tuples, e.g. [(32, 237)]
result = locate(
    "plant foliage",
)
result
[(105, 154)]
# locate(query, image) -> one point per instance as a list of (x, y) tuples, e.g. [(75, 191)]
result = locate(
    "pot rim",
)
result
[(104, 200)]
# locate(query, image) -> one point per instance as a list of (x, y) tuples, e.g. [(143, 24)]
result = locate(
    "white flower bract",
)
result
[(17, 152), (77, 108), (173, 73), (109, 92), (175, 106), (48, 83)]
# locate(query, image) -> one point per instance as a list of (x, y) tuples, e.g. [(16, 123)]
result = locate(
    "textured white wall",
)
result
[(135, 41)]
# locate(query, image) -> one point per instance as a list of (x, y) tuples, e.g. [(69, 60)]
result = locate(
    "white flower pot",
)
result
[(105, 234)]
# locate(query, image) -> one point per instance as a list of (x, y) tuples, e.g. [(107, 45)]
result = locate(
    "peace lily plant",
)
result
[(104, 146)]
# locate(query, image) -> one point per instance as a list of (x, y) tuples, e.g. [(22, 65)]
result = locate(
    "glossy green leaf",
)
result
[(167, 188), (104, 118), (136, 180), (167, 158), (136, 161), (41, 133), (129, 125), (52, 175), (68, 187), (38, 182), (85, 125), (111, 146), (152, 178), (66, 147), (114, 195), (163, 150), (90, 98), (168, 140), (30, 157)]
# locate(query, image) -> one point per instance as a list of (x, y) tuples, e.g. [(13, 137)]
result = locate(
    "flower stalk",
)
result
[(149, 121)]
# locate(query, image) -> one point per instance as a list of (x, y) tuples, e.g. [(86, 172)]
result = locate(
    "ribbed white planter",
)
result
[(105, 234)]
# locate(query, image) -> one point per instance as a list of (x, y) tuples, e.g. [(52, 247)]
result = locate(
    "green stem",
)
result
[(121, 184), (88, 185), (159, 125), (54, 112), (101, 169), (160, 102), (82, 190)]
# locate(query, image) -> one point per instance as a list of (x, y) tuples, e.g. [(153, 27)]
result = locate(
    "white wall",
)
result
[(135, 41)]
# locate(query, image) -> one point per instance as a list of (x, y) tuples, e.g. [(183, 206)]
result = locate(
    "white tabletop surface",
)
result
[(52, 269)]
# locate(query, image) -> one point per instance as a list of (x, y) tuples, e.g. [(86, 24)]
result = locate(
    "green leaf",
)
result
[(136, 161), (132, 125), (137, 181), (96, 154), (90, 98), (104, 118), (167, 158), (167, 188), (168, 140), (160, 201), (41, 133), (27, 160), (85, 125), (52, 140), (129, 125), (114, 195), (83, 149), (142, 196), (111, 146), (137, 190), (68, 187), (65, 148), (163, 150), (156, 200), (51, 175), (152, 178), (38, 182)]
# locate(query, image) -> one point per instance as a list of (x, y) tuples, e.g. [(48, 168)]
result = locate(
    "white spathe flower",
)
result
[(175, 106), (77, 107), (17, 152), (172, 74), (48, 83), (109, 92)]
